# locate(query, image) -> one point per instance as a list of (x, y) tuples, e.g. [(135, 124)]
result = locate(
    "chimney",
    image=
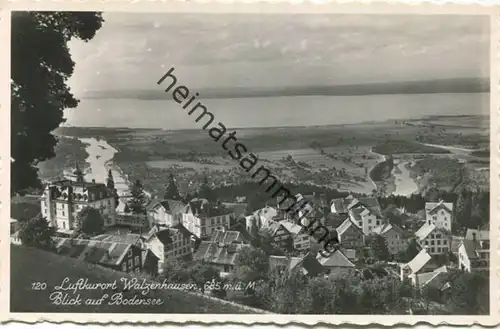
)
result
[(93, 181)]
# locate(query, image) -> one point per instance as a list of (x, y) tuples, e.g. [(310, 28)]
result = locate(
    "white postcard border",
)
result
[(227, 7)]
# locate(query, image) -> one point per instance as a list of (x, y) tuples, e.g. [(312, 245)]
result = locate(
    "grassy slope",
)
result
[(31, 265)]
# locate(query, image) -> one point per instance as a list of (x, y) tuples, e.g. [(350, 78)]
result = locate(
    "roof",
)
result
[(356, 213), (424, 231), (92, 251), (308, 264), (480, 234), (385, 228), (267, 212), (339, 205), (170, 206), (431, 207), (334, 220), (437, 278), (336, 259), (293, 228), (221, 236), (419, 261), (470, 248), (345, 226), (129, 238), (164, 234), (349, 253), (372, 205), (218, 253), (283, 261)]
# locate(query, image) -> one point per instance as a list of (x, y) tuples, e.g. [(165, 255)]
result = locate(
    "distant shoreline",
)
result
[(429, 117)]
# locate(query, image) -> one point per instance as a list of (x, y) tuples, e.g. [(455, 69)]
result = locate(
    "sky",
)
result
[(248, 51)]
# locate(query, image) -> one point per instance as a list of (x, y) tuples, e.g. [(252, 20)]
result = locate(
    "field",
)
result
[(340, 156), (52, 269)]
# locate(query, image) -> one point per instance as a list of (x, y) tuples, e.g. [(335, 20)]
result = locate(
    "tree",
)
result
[(251, 264), (40, 67), (470, 294), (89, 222), (411, 251), (206, 191), (137, 203), (378, 245), (172, 192), (110, 183), (37, 233), (205, 276)]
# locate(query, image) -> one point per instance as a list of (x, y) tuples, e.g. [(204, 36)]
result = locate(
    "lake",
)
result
[(276, 111)]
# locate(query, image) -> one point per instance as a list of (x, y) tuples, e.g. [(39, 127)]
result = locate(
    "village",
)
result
[(224, 244)]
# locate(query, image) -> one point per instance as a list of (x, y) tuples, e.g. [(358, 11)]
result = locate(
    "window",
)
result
[(136, 260), (438, 236), (124, 267), (130, 252), (130, 265), (137, 270), (369, 221), (64, 225), (432, 249), (445, 249), (438, 242), (438, 249), (432, 243)]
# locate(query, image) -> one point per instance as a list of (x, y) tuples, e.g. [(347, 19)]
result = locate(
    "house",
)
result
[(436, 240), (350, 235), (280, 235), (150, 262), (337, 263), (474, 255), (396, 241), (439, 214), (307, 265), (439, 278), (201, 218), (331, 221), (165, 212), (123, 257), (301, 239), (421, 263), (260, 218), (62, 200), (339, 206), (365, 213), (221, 251), (169, 243), (477, 235)]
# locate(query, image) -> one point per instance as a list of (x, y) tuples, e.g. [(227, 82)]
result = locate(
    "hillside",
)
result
[(32, 265)]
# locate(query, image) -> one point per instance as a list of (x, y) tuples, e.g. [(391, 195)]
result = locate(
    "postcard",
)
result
[(249, 163)]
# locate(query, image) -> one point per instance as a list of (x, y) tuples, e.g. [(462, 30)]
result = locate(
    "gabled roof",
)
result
[(92, 251), (221, 236), (432, 207), (218, 253), (292, 228), (308, 264), (479, 234), (170, 206), (369, 203), (356, 213), (120, 238), (385, 228), (336, 259), (437, 278), (334, 220), (345, 226), (424, 231), (470, 249), (340, 206), (419, 261)]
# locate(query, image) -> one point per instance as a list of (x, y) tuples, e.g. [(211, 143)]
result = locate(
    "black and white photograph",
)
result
[(272, 163)]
